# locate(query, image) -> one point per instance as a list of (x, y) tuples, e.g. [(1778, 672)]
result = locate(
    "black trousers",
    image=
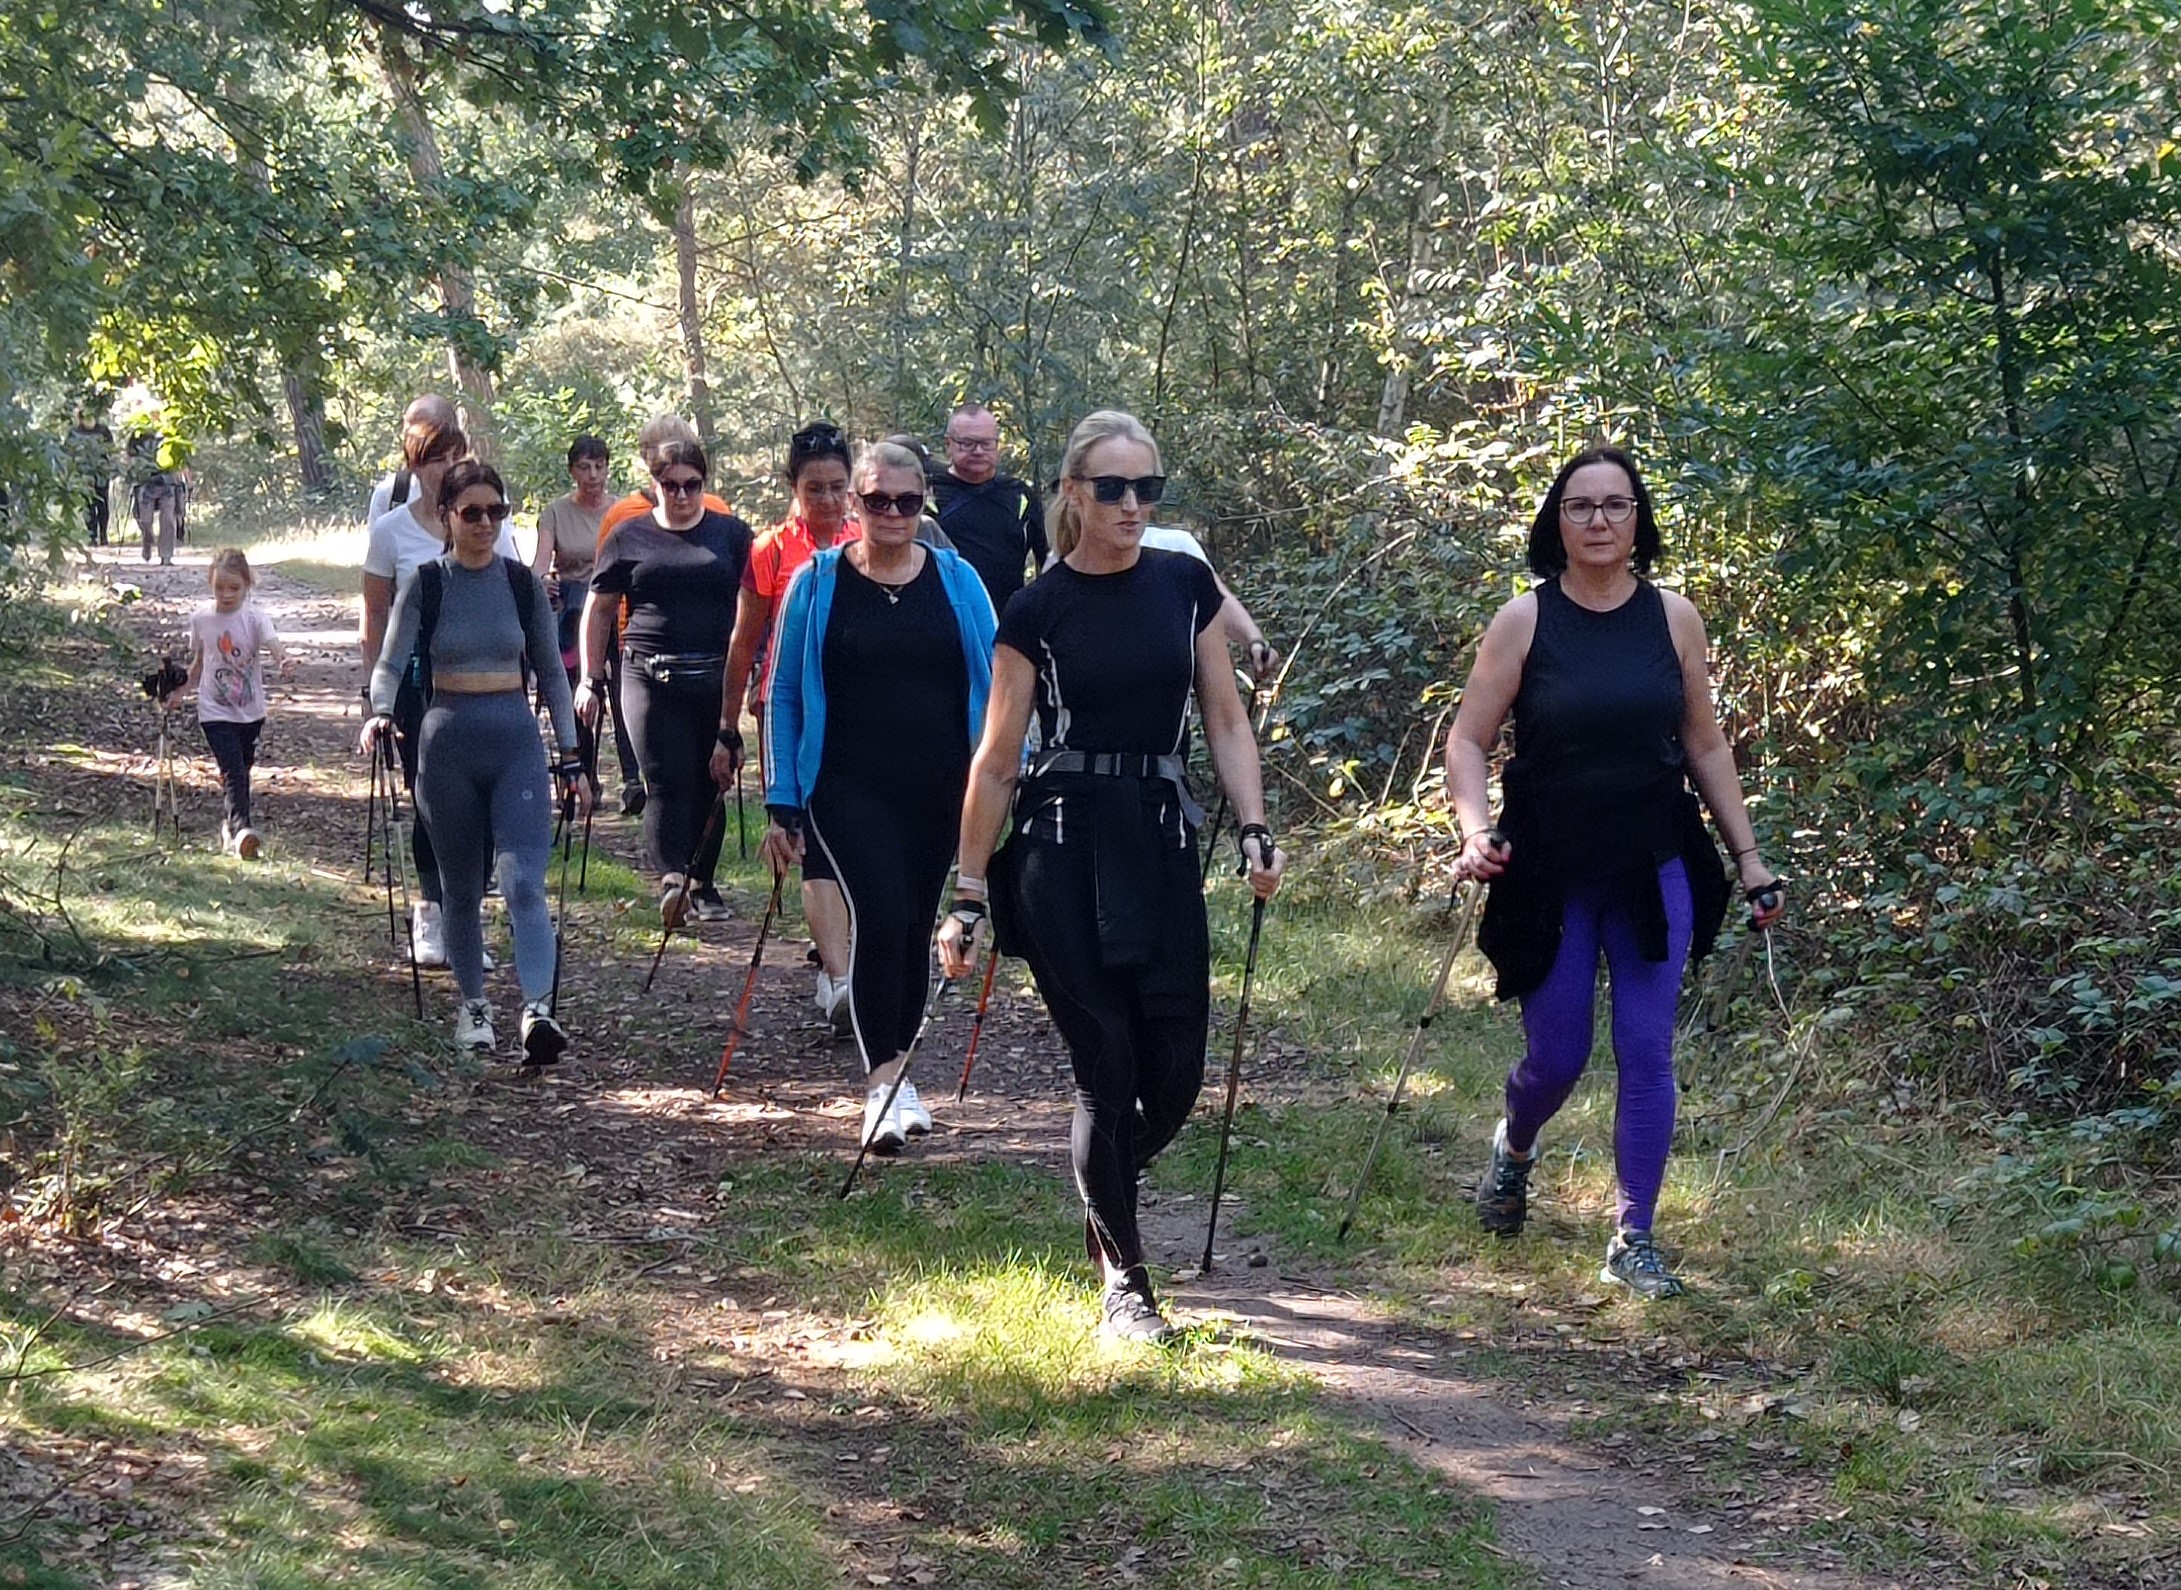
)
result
[(624, 748), (674, 728), (889, 850), (97, 513), (234, 752), (1135, 1035)]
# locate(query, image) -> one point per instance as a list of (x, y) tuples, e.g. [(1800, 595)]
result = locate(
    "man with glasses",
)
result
[(995, 521)]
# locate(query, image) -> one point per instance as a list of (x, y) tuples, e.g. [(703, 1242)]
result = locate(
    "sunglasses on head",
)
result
[(1110, 489), (680, 485), (906, 504), (482, 512)]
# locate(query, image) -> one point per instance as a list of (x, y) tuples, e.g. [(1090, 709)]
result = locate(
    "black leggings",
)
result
[(889, 850), (674, 729), (1135, 1035), (234, 751)]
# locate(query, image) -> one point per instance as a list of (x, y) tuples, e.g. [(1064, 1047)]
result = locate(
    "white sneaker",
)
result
[(473, 1025), (882, 1127), (431, 948), (833, 1002), (544, 1038), (915, 1119)]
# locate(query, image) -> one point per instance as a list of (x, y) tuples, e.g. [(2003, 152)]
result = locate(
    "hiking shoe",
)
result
[(473, 1025), (632, 800), (544, 1038), (882, 1128), (673, 901), (832, 1000), (430, 946), (1131, 1312), (710, 907), (915, 1119), (1632, 1260), (1503, 1195), (247, 845)]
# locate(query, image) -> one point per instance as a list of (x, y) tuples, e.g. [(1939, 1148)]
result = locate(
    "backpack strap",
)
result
[(403, 481), (430, 590), (525, 591)]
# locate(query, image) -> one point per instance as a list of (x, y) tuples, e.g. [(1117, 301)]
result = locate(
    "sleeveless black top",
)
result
[(1597, 734)]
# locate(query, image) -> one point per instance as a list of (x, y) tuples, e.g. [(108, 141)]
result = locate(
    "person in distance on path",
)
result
[(1602, 848), (879, 687), (994, 520), (1098, 888), (481, 775), (568, 536)]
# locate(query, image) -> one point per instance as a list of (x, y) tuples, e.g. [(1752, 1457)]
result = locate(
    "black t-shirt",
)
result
[(896, 684), (994, 525), (1115, 656), (681, 585)]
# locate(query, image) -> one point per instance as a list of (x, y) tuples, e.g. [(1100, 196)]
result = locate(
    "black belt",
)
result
[(1110, 764)]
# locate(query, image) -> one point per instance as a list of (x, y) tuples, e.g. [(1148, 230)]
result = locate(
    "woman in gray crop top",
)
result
[(481, 773)]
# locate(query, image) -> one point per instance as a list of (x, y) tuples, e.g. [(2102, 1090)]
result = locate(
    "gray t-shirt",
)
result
[(480, 630)]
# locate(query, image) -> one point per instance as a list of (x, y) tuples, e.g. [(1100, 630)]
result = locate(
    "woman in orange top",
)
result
[(818, 517)]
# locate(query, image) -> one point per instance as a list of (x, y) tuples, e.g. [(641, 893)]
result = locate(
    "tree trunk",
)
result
[(307, 413), (1403, 346), (688, 311), (904, 394), (457, 285)]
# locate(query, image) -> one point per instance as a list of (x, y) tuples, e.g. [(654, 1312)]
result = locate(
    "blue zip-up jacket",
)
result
[(795, 715)]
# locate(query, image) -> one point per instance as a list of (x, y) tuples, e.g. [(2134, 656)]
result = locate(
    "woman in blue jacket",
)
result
[(884, 663)]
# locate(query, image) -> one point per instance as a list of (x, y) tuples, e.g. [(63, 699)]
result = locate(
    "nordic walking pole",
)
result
[(395, 864), (711, 827), (742, 829), (749, 984), (380, 792), (1234, 1077), (976, 1026), (863, 1150), (1416, 1044), (566, 841), (371, 818)]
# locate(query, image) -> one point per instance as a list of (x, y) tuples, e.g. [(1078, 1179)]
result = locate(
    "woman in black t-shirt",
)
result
[(1099, 890), (680, 566), (1599, 848)]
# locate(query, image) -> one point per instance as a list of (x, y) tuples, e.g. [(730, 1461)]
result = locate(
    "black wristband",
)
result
[(729, 740), (788, 819), (569, 768), (969, 911)]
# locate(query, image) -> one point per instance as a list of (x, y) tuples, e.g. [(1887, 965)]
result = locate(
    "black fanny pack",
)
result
[(677, 670)]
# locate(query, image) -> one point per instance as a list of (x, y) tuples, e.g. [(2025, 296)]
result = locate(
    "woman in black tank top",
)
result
[(1599, 845)]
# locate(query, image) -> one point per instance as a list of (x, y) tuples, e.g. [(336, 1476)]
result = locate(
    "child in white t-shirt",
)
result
[(228, 639)]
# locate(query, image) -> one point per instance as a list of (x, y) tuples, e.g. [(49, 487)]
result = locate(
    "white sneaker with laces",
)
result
[(882, 1127), (915, 1119), (833, 1000), (473, 1025), (431, 947)]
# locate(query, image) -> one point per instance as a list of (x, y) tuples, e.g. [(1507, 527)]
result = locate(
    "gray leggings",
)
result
[(481, 781)]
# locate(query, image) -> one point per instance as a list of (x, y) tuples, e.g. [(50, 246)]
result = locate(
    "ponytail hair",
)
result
[(231, 560), (1063, 527)]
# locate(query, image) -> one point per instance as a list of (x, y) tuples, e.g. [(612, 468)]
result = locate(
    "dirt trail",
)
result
[(1580, 1514)]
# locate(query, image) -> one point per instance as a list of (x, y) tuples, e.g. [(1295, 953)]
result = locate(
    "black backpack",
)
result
[(431, 589)]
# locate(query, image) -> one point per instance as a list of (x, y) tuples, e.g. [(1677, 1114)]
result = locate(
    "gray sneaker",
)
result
[(1503, 1195), (1132, 1313), (1632, 1260)]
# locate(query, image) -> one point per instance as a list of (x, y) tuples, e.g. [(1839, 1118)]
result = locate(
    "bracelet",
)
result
[(965, 884), (730, 740), (1739, 854)]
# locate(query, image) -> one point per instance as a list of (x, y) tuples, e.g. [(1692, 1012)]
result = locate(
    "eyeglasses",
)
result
[(482, 512), (975, 444), (681, 485), (1110, 489), (1581, 510), (904, 504)]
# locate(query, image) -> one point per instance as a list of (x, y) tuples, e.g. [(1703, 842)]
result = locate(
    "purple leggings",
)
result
[(1557, 1020)]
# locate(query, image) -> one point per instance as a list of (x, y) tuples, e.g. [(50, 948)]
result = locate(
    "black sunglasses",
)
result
[(683, 486), (908, 504), (482, 512), (1110, 489)]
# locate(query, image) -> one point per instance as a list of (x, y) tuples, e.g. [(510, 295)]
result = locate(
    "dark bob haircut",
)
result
[(587, 447), (1549, 554), (469, 472), (688, 454), (821, 439)]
